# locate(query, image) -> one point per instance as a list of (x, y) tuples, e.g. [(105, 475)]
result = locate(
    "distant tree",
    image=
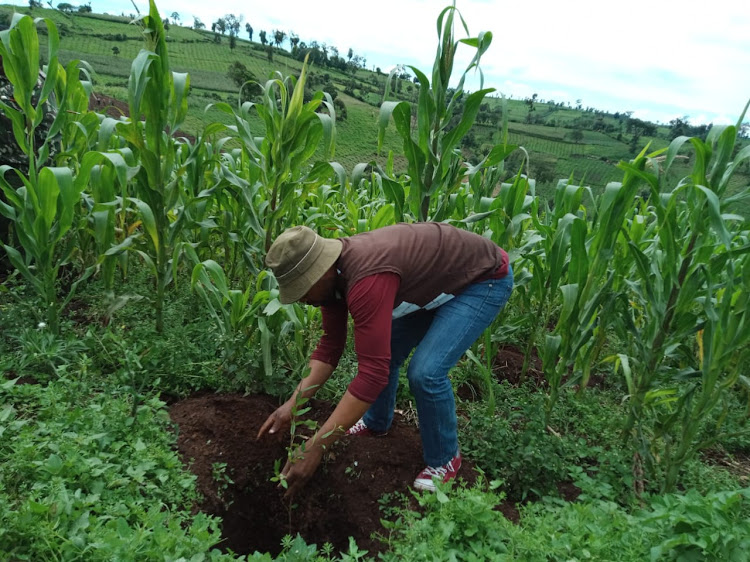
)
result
[(350, 54), (278, 37), (262, 36), (249, 30), (115, 50), (34, 4), (65, 7), (633, 146), (175, 17), (198, 24), (84, 8), (639, 127), (213, 27), (166, 24), (576, 135), (232, 41), (269, 52), (543, 171), (530, 102), (241, 76), (221, 26), (233, 24), (293, 40), (678, 127), (340, 109), (469, 141)]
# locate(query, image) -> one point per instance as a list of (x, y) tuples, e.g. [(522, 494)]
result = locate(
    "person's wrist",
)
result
[(315, 447)]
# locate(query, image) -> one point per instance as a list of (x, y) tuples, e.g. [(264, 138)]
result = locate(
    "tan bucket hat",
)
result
[(299, 258)]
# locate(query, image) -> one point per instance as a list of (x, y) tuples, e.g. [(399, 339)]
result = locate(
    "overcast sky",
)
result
[(660, 59)]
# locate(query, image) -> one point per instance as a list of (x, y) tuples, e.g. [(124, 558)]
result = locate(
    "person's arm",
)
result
[(322, 364), (281, 418), (371, 305), (308, 458)]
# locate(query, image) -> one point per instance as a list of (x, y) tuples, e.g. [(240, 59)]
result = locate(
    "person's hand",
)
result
[(300, 469), (279, 420)]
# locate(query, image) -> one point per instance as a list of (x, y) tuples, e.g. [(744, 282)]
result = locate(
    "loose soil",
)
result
[(109, 106), (114, 108), (342, 500), (508, 366)]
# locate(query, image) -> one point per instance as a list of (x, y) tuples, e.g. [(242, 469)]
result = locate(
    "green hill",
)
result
[(562, 141)]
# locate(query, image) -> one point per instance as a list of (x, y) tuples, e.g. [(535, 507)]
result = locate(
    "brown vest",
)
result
[(434, 260)]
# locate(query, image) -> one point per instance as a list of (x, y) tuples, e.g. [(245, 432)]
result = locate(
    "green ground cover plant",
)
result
[(82, 478), (465, 525)]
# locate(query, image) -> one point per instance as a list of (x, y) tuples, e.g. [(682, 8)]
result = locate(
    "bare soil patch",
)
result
[(341, 501), (508, 366), (114, 108), (108, 105)]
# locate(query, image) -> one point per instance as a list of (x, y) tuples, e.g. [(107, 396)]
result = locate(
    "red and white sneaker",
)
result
[(443, 473), (360, 429)]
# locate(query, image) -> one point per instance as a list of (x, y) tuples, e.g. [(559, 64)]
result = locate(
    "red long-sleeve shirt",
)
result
[(370, 302)]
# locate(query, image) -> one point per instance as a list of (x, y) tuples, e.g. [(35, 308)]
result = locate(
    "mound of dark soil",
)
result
[(342, 500), (111, 107), (508, 366)]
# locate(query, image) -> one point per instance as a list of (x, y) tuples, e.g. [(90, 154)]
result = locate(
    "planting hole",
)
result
[(217, 441)]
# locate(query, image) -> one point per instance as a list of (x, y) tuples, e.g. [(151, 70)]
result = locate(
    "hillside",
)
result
[(562, 141)]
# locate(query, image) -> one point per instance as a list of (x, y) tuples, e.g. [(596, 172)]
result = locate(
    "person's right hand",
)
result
[(279, 420)]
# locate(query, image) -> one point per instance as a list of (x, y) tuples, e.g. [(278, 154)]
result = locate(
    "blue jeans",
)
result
[(441, 336)]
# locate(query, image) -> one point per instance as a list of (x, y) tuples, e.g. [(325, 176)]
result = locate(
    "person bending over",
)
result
[(427, 287)]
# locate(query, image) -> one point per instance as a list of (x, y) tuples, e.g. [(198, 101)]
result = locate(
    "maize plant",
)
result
[(544, 262), (435, 167), (587, 298), (685, 329), (160, 96), (44, 209), (234, 312), (255, 316), (273, 178)]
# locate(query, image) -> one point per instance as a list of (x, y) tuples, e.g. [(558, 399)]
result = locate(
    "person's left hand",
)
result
[(301, 468)]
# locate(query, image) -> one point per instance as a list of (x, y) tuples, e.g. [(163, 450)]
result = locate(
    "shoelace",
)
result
[(440, 470)]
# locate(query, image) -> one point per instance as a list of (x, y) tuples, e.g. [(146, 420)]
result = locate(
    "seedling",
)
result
[(300, 408), (294, 452), (353, 471), (223, 480)]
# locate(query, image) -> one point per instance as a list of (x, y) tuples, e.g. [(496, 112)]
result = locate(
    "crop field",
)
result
[(86, 38), (145, 350)]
